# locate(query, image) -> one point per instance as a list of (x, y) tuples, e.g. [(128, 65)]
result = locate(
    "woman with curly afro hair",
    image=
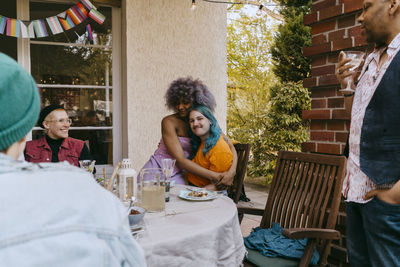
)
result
[(175, 141)]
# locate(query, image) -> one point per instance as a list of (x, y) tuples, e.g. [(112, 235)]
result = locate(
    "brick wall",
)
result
[(334, 28)]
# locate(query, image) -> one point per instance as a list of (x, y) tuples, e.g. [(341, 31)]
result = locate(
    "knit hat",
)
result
[(46, 111), (19, 102)]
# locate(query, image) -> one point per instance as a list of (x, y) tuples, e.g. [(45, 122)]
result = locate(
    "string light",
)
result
[(193, 7), (259, 11)]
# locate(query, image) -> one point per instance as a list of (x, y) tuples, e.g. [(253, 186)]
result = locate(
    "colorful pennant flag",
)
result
[(3, 22), (40, 28), (81, 10), (97, 16), (24, 29), (89, 32), (88, 4), (75, 16), (13, 27), (54, 25), (62, 15), (67, 23), (31, 31)]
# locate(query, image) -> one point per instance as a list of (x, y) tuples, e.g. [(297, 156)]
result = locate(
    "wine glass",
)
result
[(356, 59), (87, 165), (168, 167)]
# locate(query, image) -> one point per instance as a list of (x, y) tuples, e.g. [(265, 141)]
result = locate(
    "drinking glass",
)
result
[(87, 165), (152, 190), (356, 59), (168, 168)]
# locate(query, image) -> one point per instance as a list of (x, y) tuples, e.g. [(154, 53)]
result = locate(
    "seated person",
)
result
[(56, 146), (53, 214), (175, 141), (209, 148)]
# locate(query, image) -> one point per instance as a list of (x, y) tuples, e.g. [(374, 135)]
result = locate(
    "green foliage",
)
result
[(261, 110), (292, 36)]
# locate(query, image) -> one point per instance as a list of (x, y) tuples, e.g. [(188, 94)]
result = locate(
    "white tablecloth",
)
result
[(192, 233)]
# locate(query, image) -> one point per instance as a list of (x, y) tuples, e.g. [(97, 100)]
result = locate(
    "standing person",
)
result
[(175, 142), (53, 214), (372, 184), (209, 150), (56, 146)]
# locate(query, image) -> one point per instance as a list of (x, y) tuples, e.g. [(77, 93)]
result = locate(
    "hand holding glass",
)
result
[(356, 59)]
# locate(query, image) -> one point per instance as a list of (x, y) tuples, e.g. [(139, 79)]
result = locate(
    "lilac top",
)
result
[(162, 153)]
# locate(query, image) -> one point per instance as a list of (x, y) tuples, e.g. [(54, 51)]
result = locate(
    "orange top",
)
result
[(218, 159)]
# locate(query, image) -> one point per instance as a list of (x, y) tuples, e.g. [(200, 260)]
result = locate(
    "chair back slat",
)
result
[(305, 192), (243, 154)]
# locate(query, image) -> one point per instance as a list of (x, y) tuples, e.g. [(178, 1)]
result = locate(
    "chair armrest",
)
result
[(253, 211), (297, 233)]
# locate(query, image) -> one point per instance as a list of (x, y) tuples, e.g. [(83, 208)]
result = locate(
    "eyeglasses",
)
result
[(62, 121)]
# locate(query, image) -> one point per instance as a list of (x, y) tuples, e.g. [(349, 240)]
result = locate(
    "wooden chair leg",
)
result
[(308, 251)]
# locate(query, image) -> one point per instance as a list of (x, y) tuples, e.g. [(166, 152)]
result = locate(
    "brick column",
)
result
[(334, 28)]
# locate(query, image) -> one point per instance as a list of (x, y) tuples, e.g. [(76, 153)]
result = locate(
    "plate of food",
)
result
[(197, 194)]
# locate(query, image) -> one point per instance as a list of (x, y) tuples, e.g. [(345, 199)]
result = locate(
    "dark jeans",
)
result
[(373, 234)]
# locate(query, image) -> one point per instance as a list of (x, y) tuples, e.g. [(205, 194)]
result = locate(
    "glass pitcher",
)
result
[(151, 189)]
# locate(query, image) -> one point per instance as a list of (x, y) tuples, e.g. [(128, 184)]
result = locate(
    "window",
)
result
[(73, 72)]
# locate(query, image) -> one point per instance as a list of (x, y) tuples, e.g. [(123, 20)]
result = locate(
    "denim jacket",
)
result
[(54, 214)]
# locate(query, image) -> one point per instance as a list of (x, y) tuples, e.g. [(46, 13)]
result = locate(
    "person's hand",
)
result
[(210, 187), (343, 69), (225, 180), (391, 196)]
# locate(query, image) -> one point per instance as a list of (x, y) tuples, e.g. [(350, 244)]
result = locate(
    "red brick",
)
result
[(318, 103), (341, 137), (318, 39), (360, 41), (316, 49), (318, 61), (342, 44), (335, 125), (333, 58), (330, 12), (336, 102), (323, 4), (347, 21), (355, 31), (318, 71), (341, 114), (352, 5), (329, 79), (323, 92), (317, 125), (348, 125), (310, 82), (308, 147), (318, 114), (328, 148), (310, 18), (323, 27), (337, 35), (322, 136)]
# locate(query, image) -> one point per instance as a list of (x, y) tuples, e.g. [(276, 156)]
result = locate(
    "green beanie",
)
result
[(19, 102)]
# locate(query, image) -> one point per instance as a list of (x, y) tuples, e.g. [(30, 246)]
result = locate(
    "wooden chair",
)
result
[(304, 198), (243, 153)]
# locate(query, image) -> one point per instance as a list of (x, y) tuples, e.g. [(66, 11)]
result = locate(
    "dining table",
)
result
[(193, 233)]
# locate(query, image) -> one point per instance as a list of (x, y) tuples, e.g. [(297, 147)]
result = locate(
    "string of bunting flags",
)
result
[(57, 24)]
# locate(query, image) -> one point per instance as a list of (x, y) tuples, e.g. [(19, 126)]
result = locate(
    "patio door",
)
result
[(81, 75)]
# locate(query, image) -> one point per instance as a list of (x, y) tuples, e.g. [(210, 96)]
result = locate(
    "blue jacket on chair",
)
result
[(380, 134)]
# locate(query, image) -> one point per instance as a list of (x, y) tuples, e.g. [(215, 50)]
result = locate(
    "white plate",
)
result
[(210, 195)]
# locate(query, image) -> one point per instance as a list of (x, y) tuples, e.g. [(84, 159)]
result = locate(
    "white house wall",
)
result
[(163, 40)]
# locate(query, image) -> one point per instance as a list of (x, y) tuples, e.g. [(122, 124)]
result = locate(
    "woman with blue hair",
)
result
[(209, 148), (175, 141)]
